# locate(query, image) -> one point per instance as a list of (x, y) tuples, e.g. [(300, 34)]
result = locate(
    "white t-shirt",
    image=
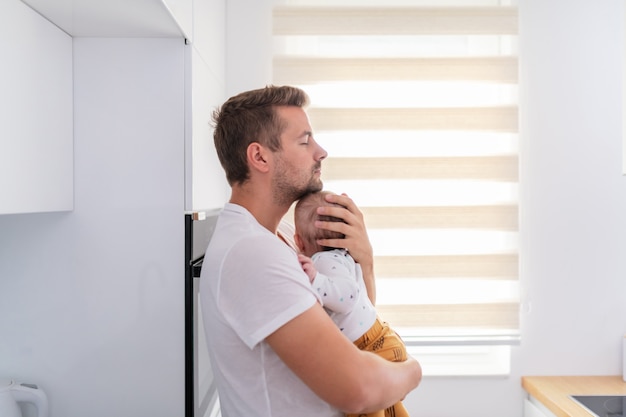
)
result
[(251, 284)]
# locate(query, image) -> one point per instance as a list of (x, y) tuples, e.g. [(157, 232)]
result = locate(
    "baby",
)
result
[(338, 279)]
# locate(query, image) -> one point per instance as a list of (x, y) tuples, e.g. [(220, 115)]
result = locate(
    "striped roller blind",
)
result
[(417, 106)]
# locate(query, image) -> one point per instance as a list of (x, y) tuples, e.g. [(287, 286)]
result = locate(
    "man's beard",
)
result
[(286, 192)]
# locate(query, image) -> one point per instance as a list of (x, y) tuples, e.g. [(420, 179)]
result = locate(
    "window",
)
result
[(416, 103)]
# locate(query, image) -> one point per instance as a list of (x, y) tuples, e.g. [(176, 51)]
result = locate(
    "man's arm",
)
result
[(352, 380)]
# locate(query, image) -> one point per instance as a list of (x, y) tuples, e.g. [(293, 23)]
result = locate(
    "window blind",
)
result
[(417, 106)]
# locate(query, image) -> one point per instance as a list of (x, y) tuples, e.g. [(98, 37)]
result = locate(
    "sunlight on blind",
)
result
[(416, 103)]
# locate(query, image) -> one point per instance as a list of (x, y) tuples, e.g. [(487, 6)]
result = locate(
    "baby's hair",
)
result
[(305, 215)]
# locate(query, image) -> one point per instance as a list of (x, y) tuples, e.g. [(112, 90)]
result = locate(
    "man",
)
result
[(273, 348)]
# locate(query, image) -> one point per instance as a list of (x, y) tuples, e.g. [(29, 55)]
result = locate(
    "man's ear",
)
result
[(258, 157)]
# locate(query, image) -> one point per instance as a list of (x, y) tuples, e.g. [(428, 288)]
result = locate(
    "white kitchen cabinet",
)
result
[(533, 408), (205, 183), (182, 12), (36, 139), (115, 18), (198, 23)]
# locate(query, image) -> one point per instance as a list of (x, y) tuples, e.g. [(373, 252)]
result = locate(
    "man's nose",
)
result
[(321, 153)]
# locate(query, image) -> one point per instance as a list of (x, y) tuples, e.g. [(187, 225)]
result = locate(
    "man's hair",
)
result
[(247, 118), (305, 215)]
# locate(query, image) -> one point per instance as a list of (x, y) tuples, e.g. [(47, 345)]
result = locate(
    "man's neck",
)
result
[(262, 207)]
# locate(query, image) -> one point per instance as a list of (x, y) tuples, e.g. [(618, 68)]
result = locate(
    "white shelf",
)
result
[(117, 18)]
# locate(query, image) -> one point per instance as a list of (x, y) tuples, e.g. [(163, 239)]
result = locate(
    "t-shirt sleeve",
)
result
[(262, 288)]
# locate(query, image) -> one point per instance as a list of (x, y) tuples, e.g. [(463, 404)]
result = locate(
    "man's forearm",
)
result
[(370, 282), (389, 383)]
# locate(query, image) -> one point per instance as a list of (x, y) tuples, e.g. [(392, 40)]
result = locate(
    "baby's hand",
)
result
[(307, 266)]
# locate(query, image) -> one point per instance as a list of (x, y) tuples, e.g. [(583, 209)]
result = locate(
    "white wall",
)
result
[(574, 193), (573, 202), (91, 301), (248, 45)]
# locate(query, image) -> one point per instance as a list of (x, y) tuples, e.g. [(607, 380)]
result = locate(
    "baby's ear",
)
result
[(299, 242)]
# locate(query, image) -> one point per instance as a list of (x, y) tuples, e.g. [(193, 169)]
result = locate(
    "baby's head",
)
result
[(305, 215)]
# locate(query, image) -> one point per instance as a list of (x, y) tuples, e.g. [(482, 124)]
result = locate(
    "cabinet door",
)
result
[(205, 183), (205, 67), (533, 410), (36, 135)]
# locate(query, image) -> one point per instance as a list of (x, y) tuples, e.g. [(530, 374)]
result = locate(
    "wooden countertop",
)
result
[(554, 391)]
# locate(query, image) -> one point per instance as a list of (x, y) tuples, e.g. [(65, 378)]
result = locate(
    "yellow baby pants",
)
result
[(383, 341)]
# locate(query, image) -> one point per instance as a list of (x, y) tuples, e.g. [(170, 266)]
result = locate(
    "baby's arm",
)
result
[(307, 266)]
